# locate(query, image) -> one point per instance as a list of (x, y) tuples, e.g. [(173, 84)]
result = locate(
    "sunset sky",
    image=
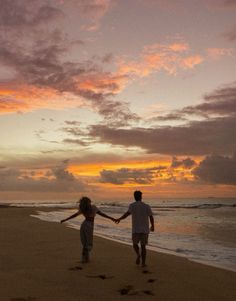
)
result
[(103, 97)]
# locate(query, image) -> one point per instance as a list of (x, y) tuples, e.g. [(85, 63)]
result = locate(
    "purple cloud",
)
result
[(186, 163), (24, 14), (57, 180), (221, 102), (195, 138), (217, 170), (230, 35)]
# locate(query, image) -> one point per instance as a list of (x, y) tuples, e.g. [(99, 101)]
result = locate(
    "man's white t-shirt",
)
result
[(140, 216)]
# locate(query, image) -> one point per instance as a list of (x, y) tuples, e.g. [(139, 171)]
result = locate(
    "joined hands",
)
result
[(115, 220)]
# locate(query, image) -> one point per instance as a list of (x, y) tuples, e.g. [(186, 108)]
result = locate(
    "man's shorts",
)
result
[(140, 237)]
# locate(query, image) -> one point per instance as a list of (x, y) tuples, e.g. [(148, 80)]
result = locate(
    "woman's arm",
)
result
[(70, 217), (104, 215)]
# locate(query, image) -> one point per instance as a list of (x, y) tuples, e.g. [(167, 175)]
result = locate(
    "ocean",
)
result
[(202, 230)]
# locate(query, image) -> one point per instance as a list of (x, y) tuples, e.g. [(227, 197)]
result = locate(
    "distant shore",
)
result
[(40, 261)]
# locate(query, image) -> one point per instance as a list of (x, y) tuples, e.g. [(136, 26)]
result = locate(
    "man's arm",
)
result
[(152, 223), (70, 217), (123, 217)]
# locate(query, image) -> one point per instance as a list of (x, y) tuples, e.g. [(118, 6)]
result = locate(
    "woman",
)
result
[(86, 230)]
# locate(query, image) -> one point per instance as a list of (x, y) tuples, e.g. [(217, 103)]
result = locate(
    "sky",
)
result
[(104, 97)]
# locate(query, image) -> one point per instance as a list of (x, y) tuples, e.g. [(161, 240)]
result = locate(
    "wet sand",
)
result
[(40, 261)]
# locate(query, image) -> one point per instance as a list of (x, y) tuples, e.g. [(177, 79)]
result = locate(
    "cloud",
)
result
[(168, 117), (63, 175), (76, 141), (231, 34), (221, 102), (43, 79), (195, 138), (26, 98), (191, 61), (101, 82), (229, 2), (8, 105), (41, 76), (170, 58), (73, 122), (26, 14), (217, 169), (76, 130), (92, 11), (215, 133), (217, 53), (186, 163), (95, 9), (220, 4), (57, 179), (129, 175)]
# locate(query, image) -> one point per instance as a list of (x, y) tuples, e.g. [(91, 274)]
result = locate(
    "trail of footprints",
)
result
[(126, 290), (24, 299)]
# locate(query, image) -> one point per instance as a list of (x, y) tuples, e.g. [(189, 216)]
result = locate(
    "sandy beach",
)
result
[(40, 261)]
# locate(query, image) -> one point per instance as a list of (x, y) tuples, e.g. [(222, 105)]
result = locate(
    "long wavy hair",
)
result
[(85, 205)]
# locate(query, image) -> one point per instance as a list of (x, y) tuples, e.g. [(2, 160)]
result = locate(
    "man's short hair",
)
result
[(138, 195)]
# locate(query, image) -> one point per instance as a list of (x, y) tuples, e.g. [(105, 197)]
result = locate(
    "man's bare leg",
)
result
[(136, 249), (143, 255)]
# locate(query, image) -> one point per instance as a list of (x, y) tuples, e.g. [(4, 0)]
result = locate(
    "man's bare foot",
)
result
[(138, 260)]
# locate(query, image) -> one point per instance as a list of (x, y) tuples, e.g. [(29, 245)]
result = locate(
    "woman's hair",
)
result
[(85, 205)]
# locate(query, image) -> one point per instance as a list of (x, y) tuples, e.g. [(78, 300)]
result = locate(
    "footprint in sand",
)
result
[(128, 290), (103, 277), (146, 272), (148, 292), (151, 280), (77, 268), (125, 290), (23, 299)]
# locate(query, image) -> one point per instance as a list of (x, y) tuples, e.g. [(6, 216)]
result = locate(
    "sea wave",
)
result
[(167, 206), (200, 206)]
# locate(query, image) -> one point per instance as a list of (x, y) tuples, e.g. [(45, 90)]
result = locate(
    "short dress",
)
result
[(86, 229)]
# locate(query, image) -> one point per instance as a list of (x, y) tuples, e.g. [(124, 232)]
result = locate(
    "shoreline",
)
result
[(225, 265), (40, 261), (154, 249)]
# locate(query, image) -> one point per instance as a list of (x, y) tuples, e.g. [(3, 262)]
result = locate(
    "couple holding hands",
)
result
[(141, 215)]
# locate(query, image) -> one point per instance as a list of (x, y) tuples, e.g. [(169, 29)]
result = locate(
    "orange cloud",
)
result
[(25, 98), (102, 83), (94, 169), (131, 173), (191, 61), (157, 57), (179, 47)]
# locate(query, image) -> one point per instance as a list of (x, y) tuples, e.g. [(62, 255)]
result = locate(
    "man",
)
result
[(141, 214)]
